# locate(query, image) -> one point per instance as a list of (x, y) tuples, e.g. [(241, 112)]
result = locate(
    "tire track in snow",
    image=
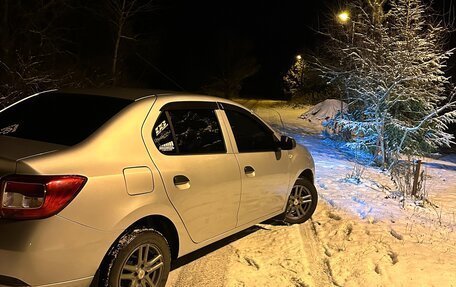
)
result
[(317, 262), (209, 270)]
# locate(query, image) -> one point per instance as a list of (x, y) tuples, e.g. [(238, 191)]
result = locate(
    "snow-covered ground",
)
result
[(359, 236)]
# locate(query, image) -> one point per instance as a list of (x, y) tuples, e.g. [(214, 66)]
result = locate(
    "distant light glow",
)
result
[(343, 16), (298, 57)]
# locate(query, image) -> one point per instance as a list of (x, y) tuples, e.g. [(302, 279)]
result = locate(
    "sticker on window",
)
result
[(9, 129), (163, 125), (169, 146)]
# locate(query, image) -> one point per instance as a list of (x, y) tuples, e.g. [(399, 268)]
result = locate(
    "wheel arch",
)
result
[(161, 224), (307, 174)]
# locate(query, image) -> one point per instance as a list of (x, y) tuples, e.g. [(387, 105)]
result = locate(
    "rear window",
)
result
[(65, 119)]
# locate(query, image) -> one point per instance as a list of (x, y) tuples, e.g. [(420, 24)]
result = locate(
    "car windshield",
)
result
[(65, 119)]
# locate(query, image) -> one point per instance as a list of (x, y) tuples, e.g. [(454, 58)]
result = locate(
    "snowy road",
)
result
[(355, 238), (259, 251)]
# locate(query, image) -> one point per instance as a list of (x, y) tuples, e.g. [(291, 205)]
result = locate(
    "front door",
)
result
[(264, 167)]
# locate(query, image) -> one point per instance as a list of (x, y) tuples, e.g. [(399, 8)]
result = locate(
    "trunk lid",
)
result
[(13, 149)]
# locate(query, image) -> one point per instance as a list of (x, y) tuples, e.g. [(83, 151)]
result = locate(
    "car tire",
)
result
[(139, 258), (302, 202)]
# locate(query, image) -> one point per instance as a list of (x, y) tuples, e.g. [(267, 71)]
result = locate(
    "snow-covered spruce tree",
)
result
[(304, 85), (294, 79), (391, 66), (419, 107)]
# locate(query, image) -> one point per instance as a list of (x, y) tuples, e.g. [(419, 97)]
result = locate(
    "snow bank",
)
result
[(325, 110)]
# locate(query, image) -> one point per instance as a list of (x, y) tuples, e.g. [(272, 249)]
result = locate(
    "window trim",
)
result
[(173, 134), (189, 105)]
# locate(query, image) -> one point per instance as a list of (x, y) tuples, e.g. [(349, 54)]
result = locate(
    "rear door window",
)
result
[(197, 131), (188, 131), (65, 119)]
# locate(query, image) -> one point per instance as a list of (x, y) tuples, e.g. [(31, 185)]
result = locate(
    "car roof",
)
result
[(138, 94), (121, 93)]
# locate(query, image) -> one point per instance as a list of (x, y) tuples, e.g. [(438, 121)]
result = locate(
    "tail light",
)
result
[(36, 197)]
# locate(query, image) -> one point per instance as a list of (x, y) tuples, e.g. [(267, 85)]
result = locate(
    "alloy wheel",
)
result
[(299, 202), (143, 268)]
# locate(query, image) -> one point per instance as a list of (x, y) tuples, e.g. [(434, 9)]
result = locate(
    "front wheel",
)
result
[(302, 202), (141, 258)]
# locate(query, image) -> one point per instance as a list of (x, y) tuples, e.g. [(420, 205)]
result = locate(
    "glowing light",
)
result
[(298, 57), (343, 16)]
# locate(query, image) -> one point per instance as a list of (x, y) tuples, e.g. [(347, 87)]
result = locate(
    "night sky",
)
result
[(184, 45), (193, 38), (196, 33)]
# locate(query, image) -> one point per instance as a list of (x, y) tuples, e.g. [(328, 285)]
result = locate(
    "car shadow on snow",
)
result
[(195, 255), (186, 259)]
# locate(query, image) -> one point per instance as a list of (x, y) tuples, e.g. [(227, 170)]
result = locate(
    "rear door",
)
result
[(264, 167), (198, 167)]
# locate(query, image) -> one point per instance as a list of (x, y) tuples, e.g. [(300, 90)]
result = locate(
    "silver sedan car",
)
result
[(106, 187)]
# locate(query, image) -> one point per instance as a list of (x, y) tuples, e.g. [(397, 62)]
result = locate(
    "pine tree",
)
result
[(295, 77), (419, 108)]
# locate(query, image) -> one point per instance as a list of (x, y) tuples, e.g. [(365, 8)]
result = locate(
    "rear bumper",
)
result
[(9, 282), (51, 252)]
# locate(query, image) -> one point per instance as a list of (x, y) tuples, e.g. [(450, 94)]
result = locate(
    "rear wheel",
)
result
[(141, 258), (302, 202)]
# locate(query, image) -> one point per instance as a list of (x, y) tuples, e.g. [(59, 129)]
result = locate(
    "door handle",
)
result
[(249, 171), (181, 182)]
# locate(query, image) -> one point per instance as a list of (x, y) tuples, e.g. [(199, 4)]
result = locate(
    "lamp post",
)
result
[(344, 18), (300, 67)]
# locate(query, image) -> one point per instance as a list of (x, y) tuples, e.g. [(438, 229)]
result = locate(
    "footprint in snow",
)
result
[(334, 216), (298, 282), (252, 263), (396, 235), (322, 185), (394, 257), (377, 269)]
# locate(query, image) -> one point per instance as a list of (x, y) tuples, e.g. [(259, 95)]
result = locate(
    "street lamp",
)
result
[(343, 17)]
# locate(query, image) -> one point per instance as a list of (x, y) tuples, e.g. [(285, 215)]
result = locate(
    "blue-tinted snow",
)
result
[(334, 161), (372, 196)]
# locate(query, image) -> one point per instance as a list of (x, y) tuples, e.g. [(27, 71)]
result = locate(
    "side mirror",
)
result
[(287, 143)]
